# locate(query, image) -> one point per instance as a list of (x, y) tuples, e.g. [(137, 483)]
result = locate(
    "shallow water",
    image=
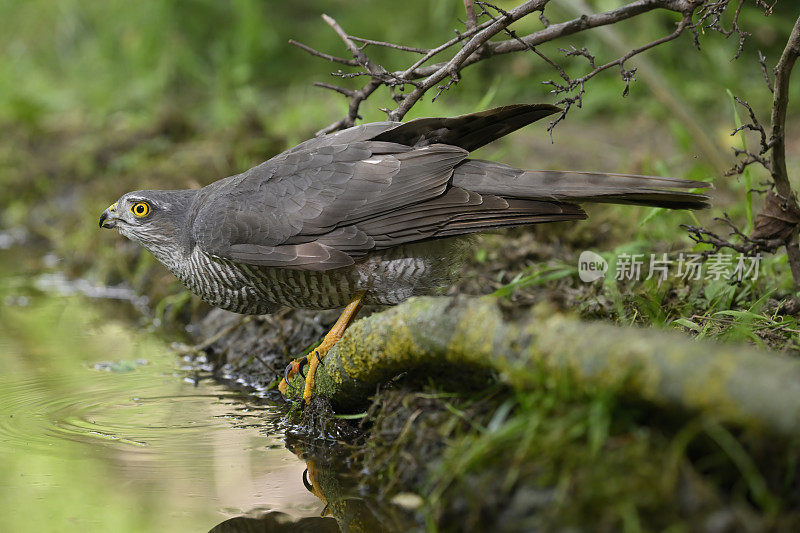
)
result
[(100, 430)]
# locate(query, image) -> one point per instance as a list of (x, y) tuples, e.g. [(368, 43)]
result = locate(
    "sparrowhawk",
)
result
[(372, 214)]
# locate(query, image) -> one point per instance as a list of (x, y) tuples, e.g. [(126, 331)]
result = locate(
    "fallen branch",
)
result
[(448, 336)]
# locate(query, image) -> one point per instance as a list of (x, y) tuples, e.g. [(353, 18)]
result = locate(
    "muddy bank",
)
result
[(485, 456), (491, 458)]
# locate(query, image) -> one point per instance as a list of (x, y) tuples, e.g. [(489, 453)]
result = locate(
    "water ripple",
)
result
[(40, 414)]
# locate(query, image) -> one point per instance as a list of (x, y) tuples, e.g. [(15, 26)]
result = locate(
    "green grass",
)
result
[(560, 456)]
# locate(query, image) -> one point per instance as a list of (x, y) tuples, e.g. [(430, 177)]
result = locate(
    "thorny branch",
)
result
[(750, 157), (777, 223), (754, 125), (709, 16), (476, 45), (780, 176), (780, 211), (762, 60), (744, 244), (626, 75)]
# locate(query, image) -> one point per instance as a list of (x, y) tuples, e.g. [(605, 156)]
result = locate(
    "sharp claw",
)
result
[(300, 364), (306, 482), (319, 359)]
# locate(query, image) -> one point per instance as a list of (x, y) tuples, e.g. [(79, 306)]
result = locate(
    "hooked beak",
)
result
[(109, 219)]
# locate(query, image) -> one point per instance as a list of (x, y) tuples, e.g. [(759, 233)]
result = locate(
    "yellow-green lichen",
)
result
[(663, 367)]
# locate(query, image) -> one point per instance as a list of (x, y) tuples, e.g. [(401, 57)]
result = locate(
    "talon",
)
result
[(289, 372), (306, 482), (294, 367), (316, 352)]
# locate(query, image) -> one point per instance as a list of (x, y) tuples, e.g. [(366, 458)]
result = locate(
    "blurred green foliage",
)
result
[(98, 98), (99, 63)]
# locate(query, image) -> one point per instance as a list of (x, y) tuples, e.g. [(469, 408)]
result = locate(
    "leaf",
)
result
[(777, 220), (685, 322), (740, 314), (354, 416), (537, 278)]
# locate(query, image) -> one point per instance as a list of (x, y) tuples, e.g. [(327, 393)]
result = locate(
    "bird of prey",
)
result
[(373, 214)]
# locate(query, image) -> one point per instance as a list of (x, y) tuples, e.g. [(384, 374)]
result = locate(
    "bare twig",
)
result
[(513, 35), (743, 244), (360, 57), (583, 52), (775, 225), (748, 159), (621, 61), (452, 67), (411, 72), (780, 176), (715, 12), (627, 75), (586, 22), (476, 46), (777, 222), (334, 59), (762, 60), (710, 15), (378, 76), (545, 22), (472, 17), (352, 112), (341, 90), (663, 89), (766, 7), (391, 45), (753, 125)]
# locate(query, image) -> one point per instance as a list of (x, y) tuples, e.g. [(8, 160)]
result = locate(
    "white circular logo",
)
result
[(591, 266)]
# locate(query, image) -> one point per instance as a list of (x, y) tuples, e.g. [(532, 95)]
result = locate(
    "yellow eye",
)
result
[(140, 209)]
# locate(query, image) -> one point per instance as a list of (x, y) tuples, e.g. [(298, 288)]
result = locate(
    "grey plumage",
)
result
[(358, 210)]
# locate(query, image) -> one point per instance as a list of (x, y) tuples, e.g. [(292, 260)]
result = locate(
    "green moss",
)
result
[(560, 457)]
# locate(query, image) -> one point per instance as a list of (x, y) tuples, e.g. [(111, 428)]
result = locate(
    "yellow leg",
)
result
[(321, 351), (313, 486)]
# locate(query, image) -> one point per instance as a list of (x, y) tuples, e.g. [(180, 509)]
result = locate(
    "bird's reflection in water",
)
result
[(275, 522), (327, 480)]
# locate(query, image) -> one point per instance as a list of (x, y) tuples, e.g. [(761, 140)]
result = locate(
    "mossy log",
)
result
[(739, 384)]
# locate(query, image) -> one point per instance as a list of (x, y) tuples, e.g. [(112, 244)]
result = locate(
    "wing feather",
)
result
[(457, 212), (329, 201), (299, 197)]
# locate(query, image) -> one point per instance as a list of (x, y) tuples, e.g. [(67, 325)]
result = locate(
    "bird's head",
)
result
[(154, 219)]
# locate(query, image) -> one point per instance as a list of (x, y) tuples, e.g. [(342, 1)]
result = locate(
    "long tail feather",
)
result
[(487, 177)]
